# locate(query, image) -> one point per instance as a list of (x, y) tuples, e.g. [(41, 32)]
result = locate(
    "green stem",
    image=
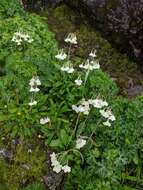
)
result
[(75, 129), (69, 51), (86, 76), (90, 138)]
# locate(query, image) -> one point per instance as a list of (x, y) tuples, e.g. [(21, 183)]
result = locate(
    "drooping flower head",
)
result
[(71, 38), (80, 142), (90, 65), (20, 37), (78, 82), (98, 103), (44, 120), (68, 67), (32, 103), (35, 81), (61, 55), (93, 53), (82, 108)]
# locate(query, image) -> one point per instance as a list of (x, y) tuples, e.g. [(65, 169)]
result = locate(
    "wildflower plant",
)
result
[(70, 137), (34, 83), (72, 107)]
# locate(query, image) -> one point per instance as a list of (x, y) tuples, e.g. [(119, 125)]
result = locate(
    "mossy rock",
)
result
[(27, 165)]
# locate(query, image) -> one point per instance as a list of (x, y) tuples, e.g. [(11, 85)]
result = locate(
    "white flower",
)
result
[(107, 123), (86, 66), (29, 151), (35, 81), (44, 120), (108, 114), (53, 157), (75, 108), (81, 66), (70, 70), (112, 118), (82, 108), (61, 55), (80, 143), (34, 89), (27, 38), (64, 68), (57, 168), (78, 82), (97, 103), (33, 103), (93, 53), (71, 38), (32, 81), (66, 169), (90, 65), (95, 64), (67, 69), (54, 161), (19, 37)]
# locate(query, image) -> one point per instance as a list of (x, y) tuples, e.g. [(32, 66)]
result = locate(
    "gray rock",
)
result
[(115, 20), (135, 90), (52, 180)]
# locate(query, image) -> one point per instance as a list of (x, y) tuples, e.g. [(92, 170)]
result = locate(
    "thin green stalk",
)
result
[(75, 128)]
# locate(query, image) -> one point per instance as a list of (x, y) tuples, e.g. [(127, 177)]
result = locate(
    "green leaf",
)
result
[(64, 137), (56, 144)]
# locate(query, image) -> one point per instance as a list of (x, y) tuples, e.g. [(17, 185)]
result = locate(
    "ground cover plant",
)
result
[(50, 103)]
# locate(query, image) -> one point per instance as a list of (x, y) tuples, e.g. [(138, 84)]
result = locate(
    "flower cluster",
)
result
[(108, 115), (84, 108), (78, 82), (98, 103), (20, 37), (61, 55), (90, 65), (44, 120), (80, 142), (34, 83), (93, 53), (57, 167), (71, 38), (68, 67)]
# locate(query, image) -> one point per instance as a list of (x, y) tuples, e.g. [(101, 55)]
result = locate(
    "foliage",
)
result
[(35, 186), (115, 151), (18, 65), (107, 156), (10, 8)]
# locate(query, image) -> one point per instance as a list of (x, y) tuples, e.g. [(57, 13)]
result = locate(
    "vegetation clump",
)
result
[(50, 101)]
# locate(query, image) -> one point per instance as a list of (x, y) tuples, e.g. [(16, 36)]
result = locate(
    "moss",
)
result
[(25, 166)]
